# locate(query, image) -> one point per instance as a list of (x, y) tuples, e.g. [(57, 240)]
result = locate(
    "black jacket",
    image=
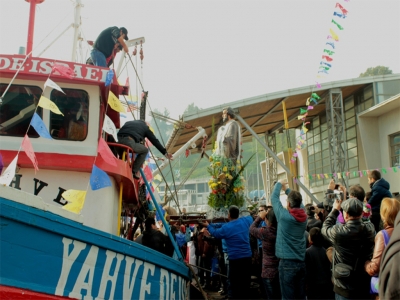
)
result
[(354, 244), (158, 241), (139, 130), (379, 190)]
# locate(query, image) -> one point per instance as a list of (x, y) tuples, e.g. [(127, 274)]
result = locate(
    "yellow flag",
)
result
[(158, 177), (308, 101), (76, 200), (334, 35), (305, 129), (318, 176), (132, 97), (339, 175), (48, 104), (326, 176), (115, 103)]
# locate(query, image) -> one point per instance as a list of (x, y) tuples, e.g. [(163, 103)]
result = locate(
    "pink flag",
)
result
[(63, 70), (318, 85), (106, 153), (27, 146), (127, 81)]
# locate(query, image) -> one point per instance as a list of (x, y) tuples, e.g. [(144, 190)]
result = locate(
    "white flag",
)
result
[(52, 84), (109, 127), (9, 173)]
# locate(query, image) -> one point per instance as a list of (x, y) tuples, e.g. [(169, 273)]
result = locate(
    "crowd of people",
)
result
[(333, 250)]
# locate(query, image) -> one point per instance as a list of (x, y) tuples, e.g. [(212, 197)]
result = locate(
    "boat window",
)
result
[(17, 108), (74, 104)]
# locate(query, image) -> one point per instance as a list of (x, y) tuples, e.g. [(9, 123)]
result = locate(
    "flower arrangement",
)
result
[(226, 182)]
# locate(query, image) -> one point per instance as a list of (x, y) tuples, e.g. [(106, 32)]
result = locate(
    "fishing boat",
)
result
[(50, 248)]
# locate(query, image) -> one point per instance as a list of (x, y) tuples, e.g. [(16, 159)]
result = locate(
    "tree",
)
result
[(191, 109), (379, 70)]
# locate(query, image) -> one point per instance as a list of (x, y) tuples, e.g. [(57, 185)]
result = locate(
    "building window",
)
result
[(395, 149), (16, 111), (74, 104), (364, 99)]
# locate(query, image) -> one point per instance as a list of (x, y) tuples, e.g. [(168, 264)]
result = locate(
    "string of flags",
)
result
[(325, 65), (98, 179)]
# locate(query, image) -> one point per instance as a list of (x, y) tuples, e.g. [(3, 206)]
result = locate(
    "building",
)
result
[(354, 128)]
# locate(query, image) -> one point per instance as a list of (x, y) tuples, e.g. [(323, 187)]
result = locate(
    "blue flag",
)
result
[(39, 126), (99, 179), (109, 77)]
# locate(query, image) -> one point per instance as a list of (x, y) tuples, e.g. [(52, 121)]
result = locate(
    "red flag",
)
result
[(327, 58), (106, 153), (63, 70), (27, 146), (147, 173), (127, 82), (344, 11)]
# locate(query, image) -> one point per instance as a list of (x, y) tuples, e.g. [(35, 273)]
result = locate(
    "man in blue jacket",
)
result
[(379, 190), (290, 242), (236, 234)]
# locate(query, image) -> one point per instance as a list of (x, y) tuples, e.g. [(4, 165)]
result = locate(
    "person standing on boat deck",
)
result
[(132, 134), (104, 45)]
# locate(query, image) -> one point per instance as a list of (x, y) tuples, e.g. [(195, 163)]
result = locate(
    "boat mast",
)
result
[(31, 25), (76, 25)]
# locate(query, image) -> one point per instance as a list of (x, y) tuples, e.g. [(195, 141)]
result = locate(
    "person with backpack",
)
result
[(388, 211)]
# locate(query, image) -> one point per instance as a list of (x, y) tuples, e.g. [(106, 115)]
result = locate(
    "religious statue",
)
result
[(227, 182), (228, 143)]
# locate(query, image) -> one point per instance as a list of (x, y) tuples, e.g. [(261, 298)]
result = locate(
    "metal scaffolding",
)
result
[(336, 132), (271, 166)]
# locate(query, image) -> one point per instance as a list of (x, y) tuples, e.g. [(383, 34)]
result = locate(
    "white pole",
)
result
[(76, 25), (189, 144)]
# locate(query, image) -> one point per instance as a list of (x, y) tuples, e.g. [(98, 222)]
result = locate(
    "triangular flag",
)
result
[(106, 153), (109, 127), (52, 84), (109, 77), (394, 169), (384, 171), (39, 126), (48, 104), (334, 36), (339, 175), (127, 81), (338, 25), (63, 70), (99, 179), (27, 146), (114, 102), (344, 11), (7, 177), (303, 111), (75, 199)]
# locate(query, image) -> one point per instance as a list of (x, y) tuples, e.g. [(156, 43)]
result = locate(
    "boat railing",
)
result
[(122, 152)]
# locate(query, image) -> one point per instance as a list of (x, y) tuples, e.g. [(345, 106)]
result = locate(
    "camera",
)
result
[(331, 197)]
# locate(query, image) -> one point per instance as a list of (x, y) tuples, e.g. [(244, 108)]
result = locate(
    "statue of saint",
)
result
[(228, 142)]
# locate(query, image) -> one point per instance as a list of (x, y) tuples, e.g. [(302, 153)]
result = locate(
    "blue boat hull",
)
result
[(46, 253)]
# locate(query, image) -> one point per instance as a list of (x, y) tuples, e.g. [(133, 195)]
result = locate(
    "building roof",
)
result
[(264, 113)]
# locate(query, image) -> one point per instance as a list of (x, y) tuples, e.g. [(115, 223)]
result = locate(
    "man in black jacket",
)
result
[(155, 239), (132, 134), (379, 190), (353, 243)]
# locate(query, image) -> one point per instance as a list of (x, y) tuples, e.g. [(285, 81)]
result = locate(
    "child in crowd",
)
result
[(318, 278)]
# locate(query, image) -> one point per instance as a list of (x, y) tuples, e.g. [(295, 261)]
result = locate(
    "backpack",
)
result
[(374, 289)]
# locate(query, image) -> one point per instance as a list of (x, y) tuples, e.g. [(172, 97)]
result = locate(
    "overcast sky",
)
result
[(214, 52)]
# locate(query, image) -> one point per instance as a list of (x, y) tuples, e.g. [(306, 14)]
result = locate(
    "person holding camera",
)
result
[(353, 244)]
